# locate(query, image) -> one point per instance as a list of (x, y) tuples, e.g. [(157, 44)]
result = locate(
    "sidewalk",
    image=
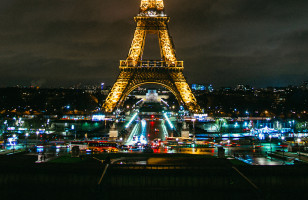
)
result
[(6, 152), (303, 156)]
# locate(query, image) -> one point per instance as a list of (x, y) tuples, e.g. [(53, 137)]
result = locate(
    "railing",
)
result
[(151, 63), (156, 167)]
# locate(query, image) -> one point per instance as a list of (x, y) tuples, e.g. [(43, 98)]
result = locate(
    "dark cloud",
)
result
[(64, 42)]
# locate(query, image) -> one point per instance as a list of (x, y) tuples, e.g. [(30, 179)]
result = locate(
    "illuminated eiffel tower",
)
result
[(167, 72)]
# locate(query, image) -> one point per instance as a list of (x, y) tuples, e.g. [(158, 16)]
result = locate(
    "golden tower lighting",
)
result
[(167, 72)]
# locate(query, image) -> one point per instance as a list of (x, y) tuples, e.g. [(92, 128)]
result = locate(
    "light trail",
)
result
[(143, 137), (132, 134), (169, 122), (166, 134), (131, 120)]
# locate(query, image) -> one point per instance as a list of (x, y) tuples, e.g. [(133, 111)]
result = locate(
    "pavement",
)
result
[(9, 152), (302, 157)]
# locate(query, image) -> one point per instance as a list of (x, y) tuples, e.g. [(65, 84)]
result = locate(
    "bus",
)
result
[(102, 146), (83, 145)]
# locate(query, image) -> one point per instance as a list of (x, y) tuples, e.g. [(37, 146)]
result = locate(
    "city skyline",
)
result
[(63, 43)]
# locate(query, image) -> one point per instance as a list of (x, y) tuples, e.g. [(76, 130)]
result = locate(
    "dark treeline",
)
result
[(291, 103), (48, 101), (281, 104)]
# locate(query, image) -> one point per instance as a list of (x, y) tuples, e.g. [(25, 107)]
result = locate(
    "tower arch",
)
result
[(172, 90)]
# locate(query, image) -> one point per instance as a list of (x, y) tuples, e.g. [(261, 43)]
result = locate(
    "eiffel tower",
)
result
[(167, 72)]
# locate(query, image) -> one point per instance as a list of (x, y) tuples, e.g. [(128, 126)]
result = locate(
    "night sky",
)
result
[(53, 43)]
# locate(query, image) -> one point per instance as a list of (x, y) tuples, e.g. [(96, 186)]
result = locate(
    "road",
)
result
[(154, 130), (146, 131)]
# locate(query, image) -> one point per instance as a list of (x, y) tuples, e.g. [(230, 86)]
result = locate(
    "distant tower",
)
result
[(167, 72)]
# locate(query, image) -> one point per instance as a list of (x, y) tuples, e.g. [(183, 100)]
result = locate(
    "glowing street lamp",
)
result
[(37, 133), (247, 113), (193, 120), (14, 136), (27, 135), (270, 136), (282, 139), (299, 151), (229, 147)]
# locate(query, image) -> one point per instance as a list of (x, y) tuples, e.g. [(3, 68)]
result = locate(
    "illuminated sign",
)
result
[(98, 118), (201, 117)]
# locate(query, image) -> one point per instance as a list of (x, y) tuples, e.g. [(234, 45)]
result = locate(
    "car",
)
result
[(148, 149), (124, 147), (134, 148)]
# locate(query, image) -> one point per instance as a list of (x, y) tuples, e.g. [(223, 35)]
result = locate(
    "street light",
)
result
[(14, 140), (27, 135), (37, 133), (299, 151), (194, 127), (229, 147), (270, 136), (282, 139)]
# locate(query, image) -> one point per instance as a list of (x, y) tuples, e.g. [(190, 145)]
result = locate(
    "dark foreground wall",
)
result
[(216, 181), (208, 182)]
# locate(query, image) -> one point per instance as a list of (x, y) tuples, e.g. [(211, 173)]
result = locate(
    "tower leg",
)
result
[(185, 92), (117, 91)]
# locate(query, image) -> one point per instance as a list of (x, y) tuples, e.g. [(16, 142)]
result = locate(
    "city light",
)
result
[(169, 122), (12, 140), (261, 136), (131, 120), (164, 102), (201, 117), (165, 131), (98, 117), (132, 137)]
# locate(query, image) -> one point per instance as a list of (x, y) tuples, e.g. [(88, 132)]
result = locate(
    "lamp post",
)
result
[(229, 147), (14, 136), (194, 128), (299, 150), (37, 133), (73, 129), (27, 134), (282, 139), (270, 136)]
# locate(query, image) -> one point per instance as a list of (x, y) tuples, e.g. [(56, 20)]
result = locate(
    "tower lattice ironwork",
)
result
[(167, 72)]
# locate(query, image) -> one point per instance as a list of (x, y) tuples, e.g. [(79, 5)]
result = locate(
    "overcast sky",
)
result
[(55, 43)]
